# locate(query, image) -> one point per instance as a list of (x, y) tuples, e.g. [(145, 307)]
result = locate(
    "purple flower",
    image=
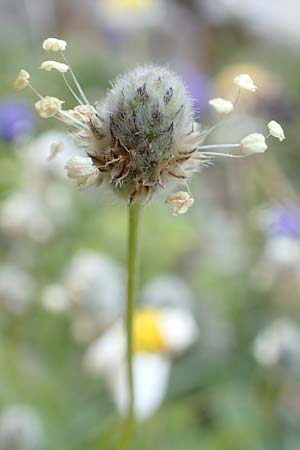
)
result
[(16, 120), (198, 86), (284, 221)]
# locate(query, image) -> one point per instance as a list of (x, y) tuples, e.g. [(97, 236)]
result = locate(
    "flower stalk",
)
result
[(132, 267)]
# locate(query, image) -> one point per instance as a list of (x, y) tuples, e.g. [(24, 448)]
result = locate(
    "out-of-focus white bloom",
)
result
[(279, 343), (127, 14), (20, 428), (244, 81), (82, 169), (95, 288), (253, 143), (54, 45), (167, 290), (178, 329), (16, 289), (50, 65), (54, 298), (23, 215), (221, 106), (276, 130), (151, 378), (274, 20), (181, 202), (283, 250), (48, 106), (22, 80), (55, 149), (159, 334), (37, 169)]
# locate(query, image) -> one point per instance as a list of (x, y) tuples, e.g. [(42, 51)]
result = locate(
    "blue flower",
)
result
[(16, 120), (285, 221)]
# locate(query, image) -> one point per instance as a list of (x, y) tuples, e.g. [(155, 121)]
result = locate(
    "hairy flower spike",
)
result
[(54, 45), (143, 136)]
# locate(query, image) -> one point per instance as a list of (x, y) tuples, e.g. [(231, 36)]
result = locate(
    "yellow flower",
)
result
[(146, 332)]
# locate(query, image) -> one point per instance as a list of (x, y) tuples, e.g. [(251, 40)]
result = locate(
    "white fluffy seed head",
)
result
[(146, 111)]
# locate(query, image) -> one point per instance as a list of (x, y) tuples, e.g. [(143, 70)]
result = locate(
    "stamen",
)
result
[(75, 79), (34, 91), (230, 155), (208, 147), (188, 187), (237, 98), (71, 89), (73, 120)]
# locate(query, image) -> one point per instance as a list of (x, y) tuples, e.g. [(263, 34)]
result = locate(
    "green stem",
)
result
[(128, 429)]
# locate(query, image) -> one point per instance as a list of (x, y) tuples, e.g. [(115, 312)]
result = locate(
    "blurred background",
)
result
[(233, 261)]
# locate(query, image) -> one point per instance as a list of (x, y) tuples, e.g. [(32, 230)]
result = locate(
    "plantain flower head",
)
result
[(143, 135), (142, 138)]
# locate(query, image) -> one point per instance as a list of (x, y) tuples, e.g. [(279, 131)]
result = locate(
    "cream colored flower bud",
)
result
[(22, 81), (244, 81), (48, 106), (221, 106), (55, 149), (54, 45), (49, 65), (276, 130), (82, 169), (181, 202), (253, 143)]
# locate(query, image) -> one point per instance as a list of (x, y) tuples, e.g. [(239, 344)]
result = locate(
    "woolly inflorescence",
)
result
[(143, 134), (142, 137)]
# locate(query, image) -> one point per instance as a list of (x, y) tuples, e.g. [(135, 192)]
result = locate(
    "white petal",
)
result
[(151, 375), (178, 328), (106, 352)]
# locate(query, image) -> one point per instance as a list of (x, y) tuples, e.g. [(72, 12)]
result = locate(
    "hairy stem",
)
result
[(128, 429)]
